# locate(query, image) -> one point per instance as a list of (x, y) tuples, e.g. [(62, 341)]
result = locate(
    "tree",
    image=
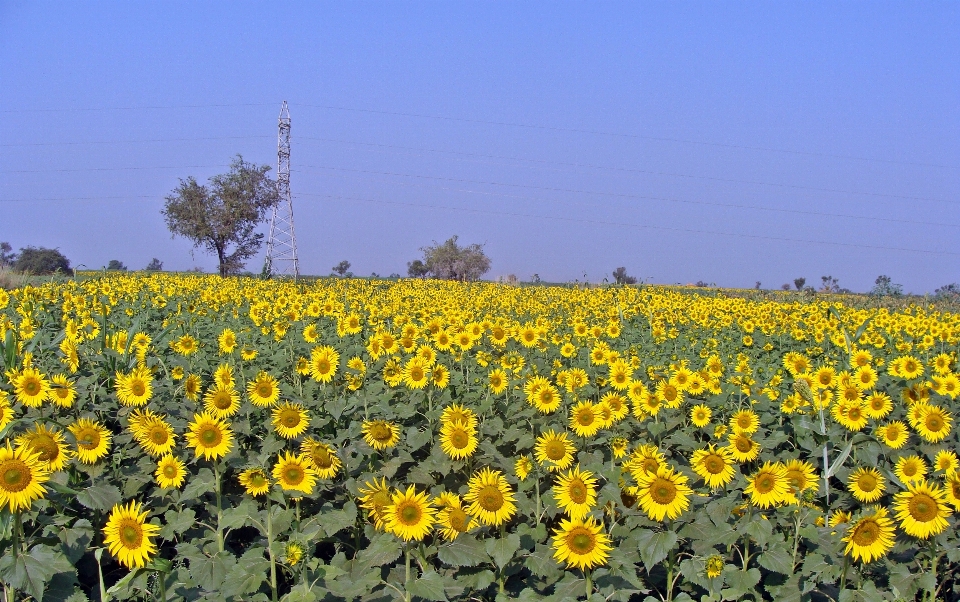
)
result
[(417, 269), (341, 268), (884, 287), (155, 265), (116, 264), (222, 216), (799, 282), (830, 284), (621, 277), (450, 261), (785, 286), (7, 256), (40, 260), (948, 292)]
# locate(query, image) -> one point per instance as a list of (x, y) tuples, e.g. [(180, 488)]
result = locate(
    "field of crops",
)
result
[(191, 437)]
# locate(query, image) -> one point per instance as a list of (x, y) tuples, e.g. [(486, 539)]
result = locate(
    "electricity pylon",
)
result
[(282, 244)]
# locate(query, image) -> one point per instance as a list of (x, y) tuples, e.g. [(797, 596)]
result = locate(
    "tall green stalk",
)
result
[(273, 560), (216, 478)]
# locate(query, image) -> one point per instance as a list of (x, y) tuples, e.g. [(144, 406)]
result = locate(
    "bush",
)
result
[(40, 260)]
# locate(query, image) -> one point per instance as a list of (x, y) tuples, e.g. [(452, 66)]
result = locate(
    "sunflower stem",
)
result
[(588, 577), (670, 568), (273, 560), (406, 581), (933, 568), (163, 585), (216, 478), (843, 573), (536, 480)]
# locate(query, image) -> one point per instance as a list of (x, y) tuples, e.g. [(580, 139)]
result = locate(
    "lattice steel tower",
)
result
[(282, 244)]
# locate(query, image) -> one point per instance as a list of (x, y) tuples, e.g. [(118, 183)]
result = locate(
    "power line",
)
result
[(135, 108), (637, 196), (626, 135), (79, 198), (500, 123), (110, 168), (630, 225), (633, 170), (131, 141)]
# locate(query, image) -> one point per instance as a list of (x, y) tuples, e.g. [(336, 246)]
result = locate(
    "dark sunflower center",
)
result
[(264, 389), (585, 417), (290, 418), (158, 435), (459, 439), (744, 445), (381, 432), (796, 479), (210, 436), (131, 534), (490, 498), (910, 469), (457, 519), (581, 541), (31, 386), (663, 491), (293, 475), (867, 482), (866, 533), (923, 508), (765, 483), (577, 490), (934, 423), (854, 414), (223, 401), (714, 464), (46, 446), (555, 450), (88, 439), (409, 514), (138, 388), (744, 422), (650, 464), (170, 471), (322, 366), (16, 476)]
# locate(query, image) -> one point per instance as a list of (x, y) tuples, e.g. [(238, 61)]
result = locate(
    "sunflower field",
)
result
[(169, 437)]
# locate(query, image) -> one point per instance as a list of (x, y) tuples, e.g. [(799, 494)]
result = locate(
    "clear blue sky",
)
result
[(682, 140)]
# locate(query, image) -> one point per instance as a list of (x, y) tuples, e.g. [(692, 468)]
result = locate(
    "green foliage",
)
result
[(40, 260)]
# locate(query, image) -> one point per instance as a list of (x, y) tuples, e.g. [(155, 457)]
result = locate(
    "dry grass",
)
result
[(10, 280)]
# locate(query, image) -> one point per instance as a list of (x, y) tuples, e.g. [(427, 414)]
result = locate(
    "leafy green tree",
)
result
[(884, 287), (7, 256), (621, 277), (116, 264), (155, 265), (451, 261), (222, 216), (342, 268), (417, 269), (40, 260), (799, 282)]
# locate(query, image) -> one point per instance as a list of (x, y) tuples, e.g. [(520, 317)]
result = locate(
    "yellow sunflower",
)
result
[(323, 363), (375, 496), (744, 422), (490, 498), (497, 381), (31, 388), (136, 388), (910, 468), (452, 519), (415, 374), (922, 509), (23, 478), (222, 401), (866, 484), (934, 423), (153, 433), (546, 399), (209, 436), (191, 387), (663, 494), (458, 440), (223, 376), (290, 420), (294, 472), (410, 515), (380, 434), (878, 405), (92, 439), (618, 447), (769, 486), (700, 415), (263, 391), (576, 492), (322, 458), (458, 413), (584, 420), (255, 481), (49, 444), (946, 462), (894, 434), (170, 472), (522, 467), (951, 490), (743, 448), (714, 465), (227, 341), (870, 538), (554, 450), (128, 535), (581, 544), (801, 477), (6, 412), (62, 391)]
